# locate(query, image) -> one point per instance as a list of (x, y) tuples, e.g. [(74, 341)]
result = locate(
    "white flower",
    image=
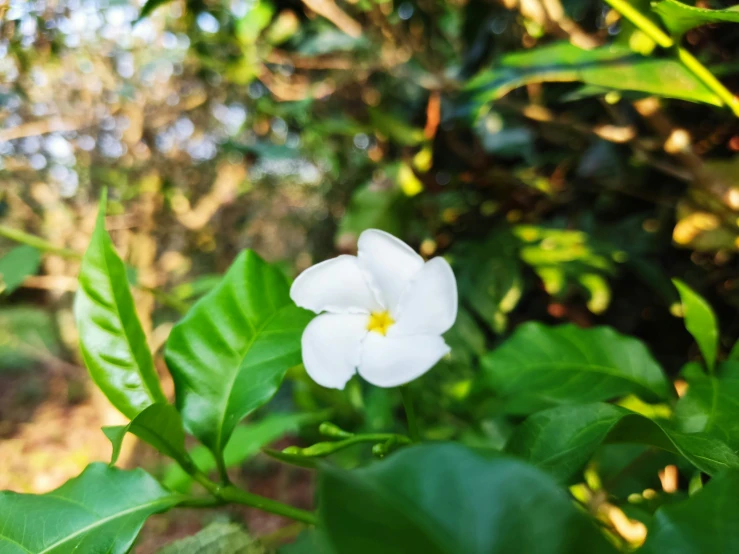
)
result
[(385, 312)]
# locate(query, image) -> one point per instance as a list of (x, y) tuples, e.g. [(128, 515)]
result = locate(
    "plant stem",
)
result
[(410, 414), (37, 242), (230, 493), (653, 31), (222, 470), (238, 496)]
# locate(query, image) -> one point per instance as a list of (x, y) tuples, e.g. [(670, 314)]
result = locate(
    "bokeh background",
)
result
[(288, 127)]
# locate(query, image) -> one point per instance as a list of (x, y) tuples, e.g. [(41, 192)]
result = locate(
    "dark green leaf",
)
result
[(700, 322), (112, 341), (679, 17), (313, 541), (446, 499), (246, 441), (561, 440), (102, 510), (16, 265), (217, 538), (541, 366), (160, 426), (613, 66), (706, 522), (373, 207), (229, 354), (711, 404)]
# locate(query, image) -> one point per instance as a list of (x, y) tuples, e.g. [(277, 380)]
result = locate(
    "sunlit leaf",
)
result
[(700, 322), (613, 66), (102, 510), (679, 17), (112, 341), (229, 354)]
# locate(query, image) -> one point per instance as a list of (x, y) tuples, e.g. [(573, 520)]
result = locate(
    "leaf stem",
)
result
[(230, 493), (410, 414), (37, 242), (238, 496), (653, 31), (222, 470)]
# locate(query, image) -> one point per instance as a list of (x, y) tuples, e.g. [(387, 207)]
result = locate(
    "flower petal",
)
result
[(336, 285), (389, 264), (429, 304), (331, 348), (394, 361)]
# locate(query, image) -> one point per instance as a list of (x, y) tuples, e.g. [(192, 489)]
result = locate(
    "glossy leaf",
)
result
[(217, 538), (246, 441), (160, 426), (705, 522), (541, 366), (229, 354), (16, 265), (102, 510), (447, 499), (700, 322), (614, 66), (711, 405), (679, 17), (562, 440), (112, 341)]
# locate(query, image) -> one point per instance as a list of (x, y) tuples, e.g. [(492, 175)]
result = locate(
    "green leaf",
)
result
[(217, 538), (541, 366), (229, 354), (679, 17), (16, 265), (245, 442), (150, 6), (372, 207), (613, 66), (101, 510), (561, 440), (28, 335), (700, 322), (711, 405), (705, 522), (112, 341), (312, 541), (447, 499), (160, 426)]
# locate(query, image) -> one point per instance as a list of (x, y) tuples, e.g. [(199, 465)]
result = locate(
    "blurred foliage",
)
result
[(566, 164)]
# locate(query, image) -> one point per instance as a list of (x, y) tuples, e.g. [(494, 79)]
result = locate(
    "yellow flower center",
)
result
[(380, 322)]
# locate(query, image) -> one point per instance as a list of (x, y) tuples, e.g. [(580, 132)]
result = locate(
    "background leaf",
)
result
[(700, 322), (446, 499), (680, 18), (561, 440), (160, 426), (246, 441), (229, 354), (217, 538), (102, 510), (541, 366), (16, 265), (112, 341), (706, 522), (613, 66)]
